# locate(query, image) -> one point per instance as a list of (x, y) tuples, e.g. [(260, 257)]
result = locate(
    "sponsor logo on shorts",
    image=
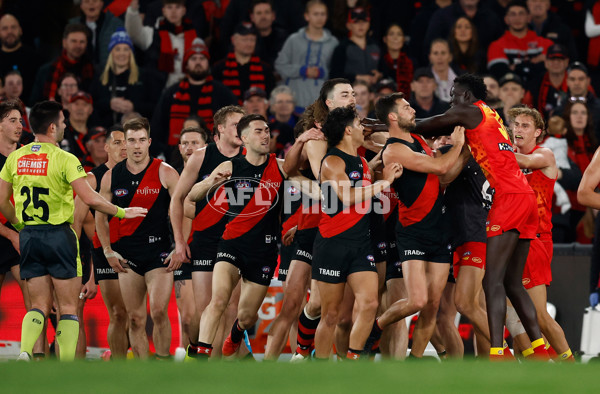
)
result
[(36, 148), (304, 253), (413, 253), (226, 256), (327, 272), (202, 262), (283, 272), (495, 227), (178, 272), (381, 245), (354, 175), (526, 281), (477, 260), (121, 192), (105, 271), (504, 146)]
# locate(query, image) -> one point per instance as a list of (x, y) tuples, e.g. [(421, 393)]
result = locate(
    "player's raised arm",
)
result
[(218, 176), (586, 194)]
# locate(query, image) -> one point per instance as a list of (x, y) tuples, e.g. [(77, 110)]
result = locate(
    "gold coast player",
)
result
[(540, 169), (43, 178), (143, 244), (513, 218)]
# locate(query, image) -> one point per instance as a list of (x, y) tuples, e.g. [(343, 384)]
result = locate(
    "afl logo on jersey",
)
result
[(243, 185), (292, 191), (36, 148), (354, 175), (121, 192)]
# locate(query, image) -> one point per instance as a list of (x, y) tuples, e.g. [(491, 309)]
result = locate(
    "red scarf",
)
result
[(231, 75), (180, 109), (546, 89), (82, 68), (166, 59), (117, 7), (404, 71)]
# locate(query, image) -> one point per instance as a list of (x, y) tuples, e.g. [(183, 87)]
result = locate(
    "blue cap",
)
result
[(120, 36)]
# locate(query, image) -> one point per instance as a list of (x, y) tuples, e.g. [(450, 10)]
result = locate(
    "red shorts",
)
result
[(471, 254), (513, 211), (537, 270)]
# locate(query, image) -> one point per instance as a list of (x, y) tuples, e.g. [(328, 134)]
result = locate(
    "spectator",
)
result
[(255, 102), (384, 87), (101, 24), (418, 30), (488, 25), (592, 31), (195, 11), (493, 92), (357, 57), (73, 59), (512, 92), (519, 50), (395, 63), (549, 91), (14, 55), (549, 25), (194, 121), (440, 60), (282, 106), (270, 38), (80, 109), (578, 82), (68, 85), (304, 60), (464, 46), (241, 69), (423, 100), (94, 142), (123, 87), (13, 89), (362, 94), (582, 144), (196, 94), (166, 43)]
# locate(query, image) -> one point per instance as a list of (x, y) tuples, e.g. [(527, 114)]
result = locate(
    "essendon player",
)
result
[(513, 218), (248, 247), (421, 248), (105, 276), (539, 167), (307, 158), (143, 244), (342, 250), (11, 129), (208, 224)]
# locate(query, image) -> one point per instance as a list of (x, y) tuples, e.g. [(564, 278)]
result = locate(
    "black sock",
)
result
[(236, 332)]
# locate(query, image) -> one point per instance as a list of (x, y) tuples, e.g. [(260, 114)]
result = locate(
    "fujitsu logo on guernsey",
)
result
[(147, 191)]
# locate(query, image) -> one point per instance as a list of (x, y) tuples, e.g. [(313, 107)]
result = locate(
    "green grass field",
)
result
[(313, 377)]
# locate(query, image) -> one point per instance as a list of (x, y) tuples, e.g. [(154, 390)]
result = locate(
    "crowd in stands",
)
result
[(174, 60)]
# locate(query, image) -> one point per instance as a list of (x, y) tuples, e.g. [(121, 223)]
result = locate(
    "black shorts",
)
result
[(377, 230), (305, 241), (184, 272), (9, 257), (152, 259), (410, 248), (256, 265), (393, 269), (102, 270), (85, 254), (203, 256), (49, 250), (285, 258), (335, 259)]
